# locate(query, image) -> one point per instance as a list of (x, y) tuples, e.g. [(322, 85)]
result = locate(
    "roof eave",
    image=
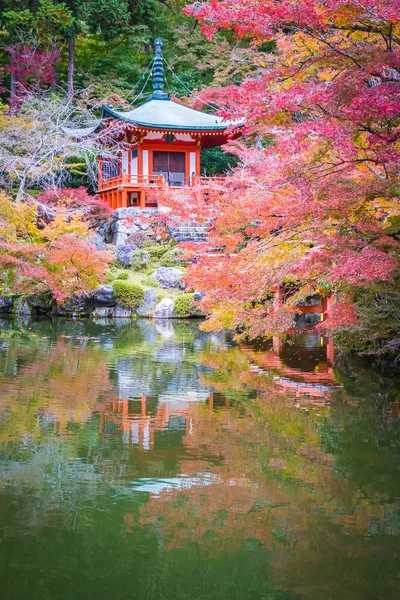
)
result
[(106, 111)]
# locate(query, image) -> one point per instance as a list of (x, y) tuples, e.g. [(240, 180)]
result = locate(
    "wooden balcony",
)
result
[(139, 182), (124, 191)]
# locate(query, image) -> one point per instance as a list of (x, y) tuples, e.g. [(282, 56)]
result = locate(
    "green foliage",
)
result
[(130, 295), (150, 282), (378, 332), (139, 259), (214, 161), (185, 306), (171, 258), (157, 252), (123, 275)]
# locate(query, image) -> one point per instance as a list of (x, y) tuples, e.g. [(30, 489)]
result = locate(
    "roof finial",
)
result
[(158, 72)]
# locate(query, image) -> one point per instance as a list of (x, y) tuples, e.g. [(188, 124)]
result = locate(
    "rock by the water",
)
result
[(41, 304), (149, 303), (121, 312), (103, 296), (197, 295), (22, 307), (6, 304), (164, 309), (78, 305), (123, 254), (168, 277), (102, 312)]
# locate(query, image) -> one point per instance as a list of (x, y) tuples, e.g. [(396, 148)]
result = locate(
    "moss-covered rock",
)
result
[(123, 275), (129, 295), (157, 251), (140, 260), (171, 258)]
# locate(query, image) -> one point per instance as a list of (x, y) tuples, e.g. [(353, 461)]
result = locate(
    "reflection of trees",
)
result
[(46, 384), (297, 496), (292, 480)]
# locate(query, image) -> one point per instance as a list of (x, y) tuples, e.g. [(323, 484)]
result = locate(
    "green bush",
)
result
[(150, 282), (123, 275), (139, 259), (157, 251), (185, 306), (128, 294), (171, 258)]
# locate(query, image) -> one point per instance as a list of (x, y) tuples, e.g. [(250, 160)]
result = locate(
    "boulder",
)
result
[(198, 295), (78, 305), (164, 309), (149, 303), (103, 296), (124, 222), (168, 277), (103, 312), (122, 312), (41, 304), (97, 242), (22, 308), (123, 254), (6, 304)]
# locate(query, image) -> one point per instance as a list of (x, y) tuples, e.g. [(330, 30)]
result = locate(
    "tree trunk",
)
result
[(13, 93), (71, 67), (54, 49), (21, 189)]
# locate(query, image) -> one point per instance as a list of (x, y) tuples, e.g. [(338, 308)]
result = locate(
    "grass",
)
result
[(139, 277)]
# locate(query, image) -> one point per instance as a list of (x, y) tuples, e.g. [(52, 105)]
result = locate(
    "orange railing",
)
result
[(157, 181)]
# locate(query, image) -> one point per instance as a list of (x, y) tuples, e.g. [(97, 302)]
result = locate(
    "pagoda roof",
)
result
[(167, 114)]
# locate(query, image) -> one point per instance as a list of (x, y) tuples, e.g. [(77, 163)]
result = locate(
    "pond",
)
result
[(155, 461)]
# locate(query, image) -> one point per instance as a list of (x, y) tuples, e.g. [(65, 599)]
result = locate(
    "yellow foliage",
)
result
[(62, 224), (18, 223)]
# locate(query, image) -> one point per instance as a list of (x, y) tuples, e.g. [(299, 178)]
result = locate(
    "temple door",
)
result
[(171, 165)]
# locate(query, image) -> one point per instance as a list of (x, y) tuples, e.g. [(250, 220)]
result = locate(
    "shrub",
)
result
[(139, 259), (128, 294), (150, 282), (156, 251), (171, 258), (123, 275), (185, 306)]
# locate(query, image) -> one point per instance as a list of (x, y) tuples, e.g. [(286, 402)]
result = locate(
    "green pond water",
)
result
[(154, 461)]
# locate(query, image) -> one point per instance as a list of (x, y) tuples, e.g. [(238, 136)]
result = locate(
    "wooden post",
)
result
[(142, 199), (124, 198), (186, 179)]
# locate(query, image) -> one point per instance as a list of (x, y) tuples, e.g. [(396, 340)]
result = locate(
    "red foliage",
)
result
[(311, 203), (31, 68), (77, 200), (65, 267)]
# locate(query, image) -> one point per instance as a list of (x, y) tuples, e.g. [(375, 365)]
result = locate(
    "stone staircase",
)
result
[(188, 232)]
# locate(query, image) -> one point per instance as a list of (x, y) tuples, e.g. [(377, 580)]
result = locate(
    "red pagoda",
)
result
[(161, 145)]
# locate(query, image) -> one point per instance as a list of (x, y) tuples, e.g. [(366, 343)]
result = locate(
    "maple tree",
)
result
[(314, 204), (76, 202), (55, 259)]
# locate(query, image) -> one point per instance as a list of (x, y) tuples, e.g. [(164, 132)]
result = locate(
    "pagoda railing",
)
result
[(156, 181)]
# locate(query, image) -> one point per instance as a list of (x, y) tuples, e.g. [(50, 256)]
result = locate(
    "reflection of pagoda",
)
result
[(309, 373)]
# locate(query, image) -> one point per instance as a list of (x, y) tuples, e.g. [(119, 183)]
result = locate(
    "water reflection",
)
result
[(156, 461)]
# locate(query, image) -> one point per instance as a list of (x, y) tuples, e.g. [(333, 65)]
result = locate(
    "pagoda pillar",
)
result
[(124, 198)]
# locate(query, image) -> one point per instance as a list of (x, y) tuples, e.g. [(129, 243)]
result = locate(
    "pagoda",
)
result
[(161, 142)]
